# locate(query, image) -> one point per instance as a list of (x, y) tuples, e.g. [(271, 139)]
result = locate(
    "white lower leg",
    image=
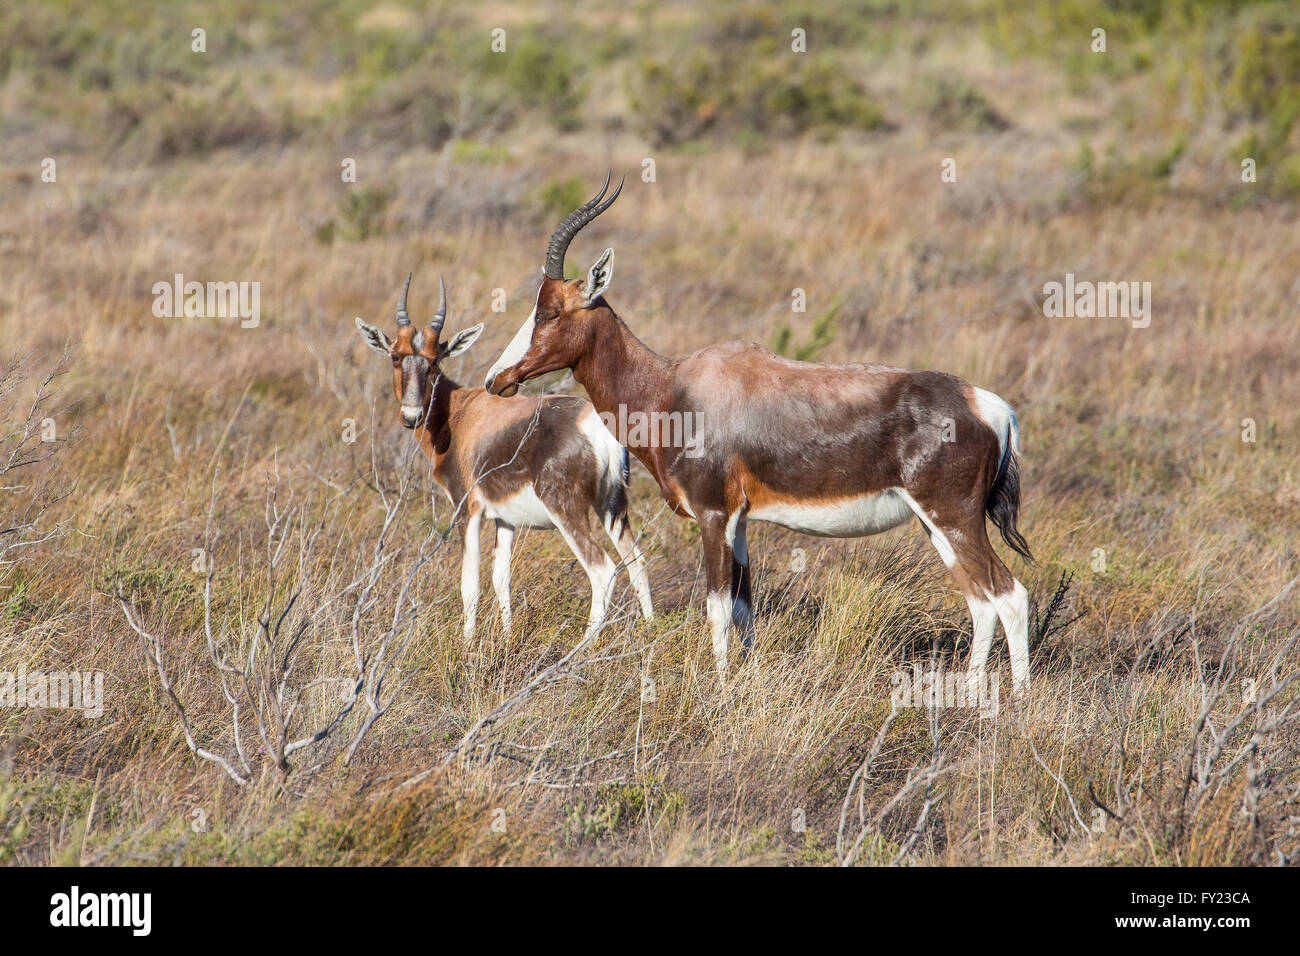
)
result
[(985, 616), (634, 561), (719, 609), (602, 586), (469, 570), (501, 572), (1013, 609), (600, 571)]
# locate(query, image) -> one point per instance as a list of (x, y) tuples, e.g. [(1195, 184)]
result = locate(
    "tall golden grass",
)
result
[(1150, 736)]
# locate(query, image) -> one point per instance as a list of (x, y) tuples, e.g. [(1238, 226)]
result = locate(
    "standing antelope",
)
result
[(832, 450), (522, 462)]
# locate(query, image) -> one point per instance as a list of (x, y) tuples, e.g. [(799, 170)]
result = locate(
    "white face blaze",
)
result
[(415, 369), (517, 348)]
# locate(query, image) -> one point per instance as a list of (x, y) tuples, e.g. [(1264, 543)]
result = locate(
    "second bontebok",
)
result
[(522, 462)]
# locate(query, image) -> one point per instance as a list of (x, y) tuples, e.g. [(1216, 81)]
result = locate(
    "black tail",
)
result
[(614, 498), (1004, 502)]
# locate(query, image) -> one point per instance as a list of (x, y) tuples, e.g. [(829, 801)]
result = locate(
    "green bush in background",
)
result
[(121, 80)]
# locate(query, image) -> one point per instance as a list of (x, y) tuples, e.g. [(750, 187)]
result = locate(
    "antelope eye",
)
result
[(395, 357)]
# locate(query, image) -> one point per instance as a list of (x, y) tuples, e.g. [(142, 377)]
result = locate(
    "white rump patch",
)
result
[(998, 414), (608, 451)]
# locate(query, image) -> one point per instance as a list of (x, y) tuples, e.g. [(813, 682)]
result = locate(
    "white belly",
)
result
[(522, 510), (846, 518)]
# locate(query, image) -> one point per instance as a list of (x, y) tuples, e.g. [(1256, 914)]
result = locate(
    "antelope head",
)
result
[(557, 332), (417, 353)]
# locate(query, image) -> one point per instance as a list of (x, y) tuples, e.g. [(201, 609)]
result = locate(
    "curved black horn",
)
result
[(566, 230), (402, 318), (439, 317)]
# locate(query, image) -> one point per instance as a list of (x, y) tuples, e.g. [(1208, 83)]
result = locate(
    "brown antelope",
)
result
[(831, 450), (534, 462)]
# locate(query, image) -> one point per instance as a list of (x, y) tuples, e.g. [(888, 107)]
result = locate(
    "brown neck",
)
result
[(617, 369), (436, 433)]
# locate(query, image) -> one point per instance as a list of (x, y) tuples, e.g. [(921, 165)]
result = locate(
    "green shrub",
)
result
[(166, 122), (954, 103), (1287, 180), (1265, 64), (362, 215), (560, 195), (761, 88), (541, 75), (412, 108), (1163, 166), (480, 153), (822, 335)]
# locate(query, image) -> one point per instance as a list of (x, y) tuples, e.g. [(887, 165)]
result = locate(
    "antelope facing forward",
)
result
[(833, 450), (542, 462)]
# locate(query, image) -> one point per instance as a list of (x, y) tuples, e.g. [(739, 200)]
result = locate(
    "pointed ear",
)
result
[(374, 338), (462, 341), (599, 278)]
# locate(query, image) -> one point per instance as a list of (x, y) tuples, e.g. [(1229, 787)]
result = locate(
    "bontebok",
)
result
[(833, 450), (544, 462)]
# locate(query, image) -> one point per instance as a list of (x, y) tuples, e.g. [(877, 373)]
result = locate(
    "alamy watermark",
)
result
[(63, 690), (1098, 300), (208, 300), (133, 911), (639, 429), (936, 687)]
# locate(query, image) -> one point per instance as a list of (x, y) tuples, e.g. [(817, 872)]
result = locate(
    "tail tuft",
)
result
[(613, 493), (1003, 506)]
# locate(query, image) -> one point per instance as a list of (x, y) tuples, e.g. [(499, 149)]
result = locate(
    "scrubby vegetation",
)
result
[(1160, 481)]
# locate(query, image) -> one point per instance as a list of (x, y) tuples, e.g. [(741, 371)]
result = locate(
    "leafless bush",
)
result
[(1241, 737), (920, 779), (1243, 748), (259, 665), (31, 437), (483, 740)]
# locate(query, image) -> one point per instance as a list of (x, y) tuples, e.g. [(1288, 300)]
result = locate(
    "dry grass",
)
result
[(1133, 446)]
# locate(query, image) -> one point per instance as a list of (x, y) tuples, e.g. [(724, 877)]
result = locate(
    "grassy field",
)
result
[(250, 495)]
